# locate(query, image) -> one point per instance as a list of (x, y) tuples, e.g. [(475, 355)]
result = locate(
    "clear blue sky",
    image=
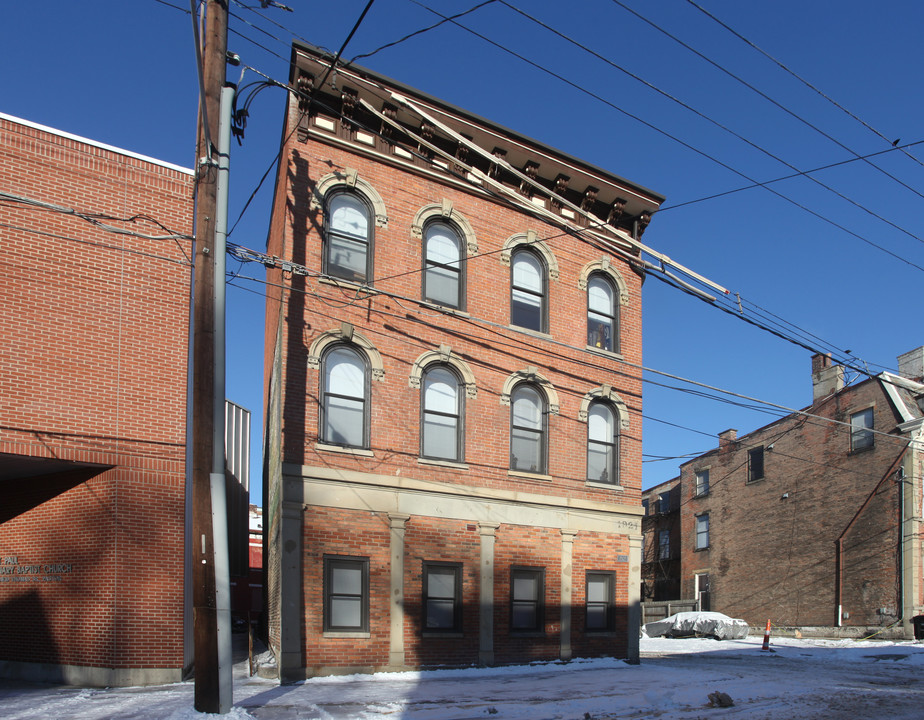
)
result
[(123, 73)]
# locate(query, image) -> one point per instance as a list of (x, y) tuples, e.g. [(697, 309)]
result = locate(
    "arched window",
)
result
[(345, 398), (528, 305), (602, 314), (443, 267), (602, 444), (441, 415), (528, 430), (348, 237)]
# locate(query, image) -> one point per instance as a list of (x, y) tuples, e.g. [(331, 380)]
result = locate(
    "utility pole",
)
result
[(212, 681)]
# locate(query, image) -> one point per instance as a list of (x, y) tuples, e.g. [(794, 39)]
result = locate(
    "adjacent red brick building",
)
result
[(661, 542), (815, 519), (92, 409), (453, 388)]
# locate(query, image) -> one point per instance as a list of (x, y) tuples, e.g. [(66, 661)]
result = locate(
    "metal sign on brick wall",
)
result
[(14, 571)]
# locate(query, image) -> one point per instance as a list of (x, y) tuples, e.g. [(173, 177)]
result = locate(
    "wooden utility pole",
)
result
[(205, 615)]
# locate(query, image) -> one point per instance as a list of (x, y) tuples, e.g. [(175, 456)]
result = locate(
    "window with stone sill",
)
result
[(348, 237), (346, 594), (528, 291), (442, 597), (861, 430)]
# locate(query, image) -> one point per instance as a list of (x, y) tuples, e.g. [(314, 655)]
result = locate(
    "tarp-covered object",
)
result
[(699, 624)]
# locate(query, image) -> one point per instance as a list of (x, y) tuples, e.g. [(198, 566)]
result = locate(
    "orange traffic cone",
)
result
[(767, 636)]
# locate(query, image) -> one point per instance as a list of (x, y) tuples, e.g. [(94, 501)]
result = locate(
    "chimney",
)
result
[(911, 364), (827, 378), (727, 439)]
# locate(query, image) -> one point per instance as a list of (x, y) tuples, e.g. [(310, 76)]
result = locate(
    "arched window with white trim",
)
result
[(602, 443), (444, 271), (348, 237), (441, 424), (345, 397), (602, 313), (528, 291), (528, 429)]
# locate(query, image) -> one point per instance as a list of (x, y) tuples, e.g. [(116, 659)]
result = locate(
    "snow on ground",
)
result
[(808, 679)]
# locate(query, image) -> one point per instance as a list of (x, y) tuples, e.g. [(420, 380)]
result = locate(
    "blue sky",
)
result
[(842, 263)]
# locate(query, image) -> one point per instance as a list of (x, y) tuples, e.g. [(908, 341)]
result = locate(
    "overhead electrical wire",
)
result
[(676, 139), (95, 243), (792, 176), (780, 331), (762, 94), (712, 121), (283, 143), (96, 219), (805, 82), (502, 338), (419, 32)]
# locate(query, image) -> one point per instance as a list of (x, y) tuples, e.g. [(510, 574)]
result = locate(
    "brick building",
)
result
[(661, 541), (453, 434), (92, 410), (815, 519)]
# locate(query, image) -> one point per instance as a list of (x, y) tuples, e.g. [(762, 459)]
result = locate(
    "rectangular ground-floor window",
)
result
[(600, 604), (527, 593), (442, 597), (346, 594)]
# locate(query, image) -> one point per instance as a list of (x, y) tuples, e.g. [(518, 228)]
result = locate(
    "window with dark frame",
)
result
[(527, 594), (346, 594), (664, 545), (861, 430), (755, 464), (602, 444), (442, 597), (664, 502), (441, 430), (348, 237), (528, 292), (344, 397), (701, 482), (444, 267), (702, 531), (528, 429), (602, 314), (599, 602)]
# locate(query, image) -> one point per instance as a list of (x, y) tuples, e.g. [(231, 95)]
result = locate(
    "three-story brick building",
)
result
[(815, 519), (452, 386)]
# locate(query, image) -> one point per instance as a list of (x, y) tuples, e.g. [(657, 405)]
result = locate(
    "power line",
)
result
[(712, 121), (96, 219), (278, 155), (804, 81), (788, 177), (767, 97), (93, 243), (500, 331), (420, 32), (782, 332), (676, 139)]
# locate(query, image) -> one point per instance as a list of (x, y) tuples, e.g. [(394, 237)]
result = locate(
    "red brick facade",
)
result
[(379, 499), (828, 534), (92, 418)]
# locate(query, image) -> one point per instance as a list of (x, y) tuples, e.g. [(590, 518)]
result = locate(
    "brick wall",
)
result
[(93, 371), (772, 551)]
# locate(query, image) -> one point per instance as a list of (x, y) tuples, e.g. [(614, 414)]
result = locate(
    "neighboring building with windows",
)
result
[(815, 519), (661, 544), (453, 392), (94, 348)]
